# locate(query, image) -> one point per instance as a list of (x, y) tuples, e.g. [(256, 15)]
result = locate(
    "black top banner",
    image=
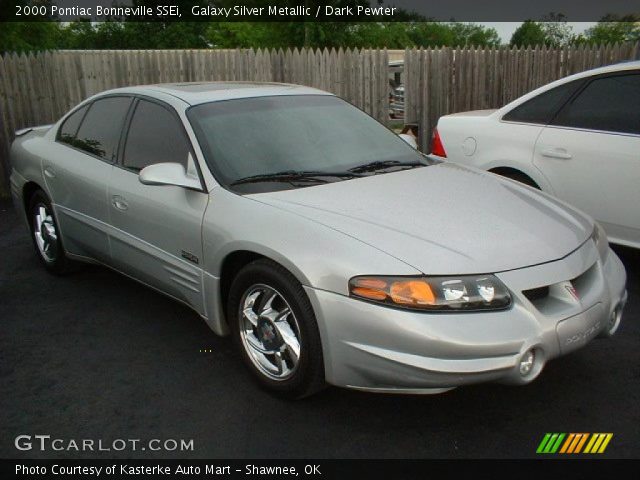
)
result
[(318, 11)]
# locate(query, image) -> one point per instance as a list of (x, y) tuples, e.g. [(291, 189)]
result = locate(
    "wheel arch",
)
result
[(530, 171), (28, 189), (230, 265), (507, 171)]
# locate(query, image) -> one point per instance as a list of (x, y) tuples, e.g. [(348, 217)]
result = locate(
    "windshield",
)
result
[(257, 144)]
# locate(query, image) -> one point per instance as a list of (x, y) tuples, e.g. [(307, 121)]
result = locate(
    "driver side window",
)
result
[(155, 136)]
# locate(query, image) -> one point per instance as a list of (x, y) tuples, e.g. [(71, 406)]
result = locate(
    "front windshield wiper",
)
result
[(384, 164), (295, 175)]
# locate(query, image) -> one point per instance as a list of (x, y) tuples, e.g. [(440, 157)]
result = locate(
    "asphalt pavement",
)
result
[(95, 355)]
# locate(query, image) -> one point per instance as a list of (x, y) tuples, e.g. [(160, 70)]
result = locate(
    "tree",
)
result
[(38, 34), (613, 29), (469, 34), (530, 33), (29, 36), (557, 31)]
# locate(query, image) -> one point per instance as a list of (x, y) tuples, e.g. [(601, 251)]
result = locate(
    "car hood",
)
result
[(443, 219)]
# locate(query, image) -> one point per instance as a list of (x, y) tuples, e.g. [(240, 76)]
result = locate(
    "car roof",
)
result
[(195, 93), (615, 67)]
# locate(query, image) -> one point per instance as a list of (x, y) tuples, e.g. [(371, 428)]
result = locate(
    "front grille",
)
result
[(585, 282), (555, 300), (535, 294)]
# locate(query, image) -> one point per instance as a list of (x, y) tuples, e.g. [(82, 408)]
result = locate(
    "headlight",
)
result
[(468, 292), (600, 238)]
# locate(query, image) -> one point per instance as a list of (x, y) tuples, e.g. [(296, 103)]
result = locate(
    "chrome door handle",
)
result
[(556, 153), (49, 172), (119, 203)]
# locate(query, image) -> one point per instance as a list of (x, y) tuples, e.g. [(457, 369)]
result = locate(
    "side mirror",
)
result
[(410, 139), (168, 174)]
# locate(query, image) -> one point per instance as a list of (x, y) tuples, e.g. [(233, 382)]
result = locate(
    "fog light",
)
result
[(526, 363)]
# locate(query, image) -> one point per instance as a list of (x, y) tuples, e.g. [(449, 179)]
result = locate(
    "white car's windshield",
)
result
[(294, 140)]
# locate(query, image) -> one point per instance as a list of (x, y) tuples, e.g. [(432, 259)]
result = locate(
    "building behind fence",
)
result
[(37, 89)]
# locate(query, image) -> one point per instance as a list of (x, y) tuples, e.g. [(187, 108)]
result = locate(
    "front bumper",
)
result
[(376, 348)]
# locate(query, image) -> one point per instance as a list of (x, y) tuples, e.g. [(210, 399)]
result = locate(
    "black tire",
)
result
[(58, 263), (520, 177), (308, 376)]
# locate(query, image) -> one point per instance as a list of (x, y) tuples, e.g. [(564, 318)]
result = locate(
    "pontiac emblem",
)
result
[(572, 291)]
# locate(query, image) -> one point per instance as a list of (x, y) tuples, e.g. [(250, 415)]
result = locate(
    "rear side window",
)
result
[(155, 136), (100, 131), (610, 104), (69, 128), (542, 108)]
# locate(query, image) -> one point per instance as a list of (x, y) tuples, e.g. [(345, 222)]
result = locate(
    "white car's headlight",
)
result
[(600, 238), (450, 293)]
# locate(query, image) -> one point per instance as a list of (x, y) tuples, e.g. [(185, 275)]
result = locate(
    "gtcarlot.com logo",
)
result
[(574, 443), (46, 442)]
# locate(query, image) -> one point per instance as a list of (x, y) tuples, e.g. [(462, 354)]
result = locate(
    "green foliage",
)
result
[(465, 34), (553, 31), (530, 33), (613, 29), (557, 31), (133, 35), (29, 36), (437, 34), (393, 35)]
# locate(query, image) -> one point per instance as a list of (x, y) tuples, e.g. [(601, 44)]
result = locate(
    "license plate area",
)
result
[(575, 332)]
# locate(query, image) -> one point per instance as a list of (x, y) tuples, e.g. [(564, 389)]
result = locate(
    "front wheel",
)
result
[(275, 330)]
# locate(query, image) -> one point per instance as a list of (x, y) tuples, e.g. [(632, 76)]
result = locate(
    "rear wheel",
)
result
[(46, 235), (275, 330)]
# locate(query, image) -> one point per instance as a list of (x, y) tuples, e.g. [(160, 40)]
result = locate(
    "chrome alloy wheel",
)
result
[(44, 231), (269, 332)]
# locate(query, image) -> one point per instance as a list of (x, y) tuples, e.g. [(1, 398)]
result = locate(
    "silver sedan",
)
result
[(329, 248)]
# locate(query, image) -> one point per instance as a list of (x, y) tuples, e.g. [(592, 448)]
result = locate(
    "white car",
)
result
[(577, 138)]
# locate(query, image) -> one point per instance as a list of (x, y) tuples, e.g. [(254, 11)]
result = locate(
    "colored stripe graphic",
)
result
[(574, 443), (550, 443), (581, 443), (567, 443), (598, 442)]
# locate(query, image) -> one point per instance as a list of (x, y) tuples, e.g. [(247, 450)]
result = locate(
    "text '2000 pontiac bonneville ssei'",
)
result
[(329, 248)]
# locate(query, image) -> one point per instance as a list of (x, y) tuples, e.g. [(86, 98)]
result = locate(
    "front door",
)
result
[(157, 230)]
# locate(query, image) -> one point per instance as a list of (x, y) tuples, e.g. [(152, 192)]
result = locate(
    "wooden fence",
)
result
[(37, 89), (445, 80)]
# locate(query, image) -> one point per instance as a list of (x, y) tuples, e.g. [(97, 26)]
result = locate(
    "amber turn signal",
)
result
[(412, 292), (401, 291)]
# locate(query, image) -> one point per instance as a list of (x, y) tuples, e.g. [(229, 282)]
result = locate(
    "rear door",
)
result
[(157, 230), (590, 153), (78, 170)]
